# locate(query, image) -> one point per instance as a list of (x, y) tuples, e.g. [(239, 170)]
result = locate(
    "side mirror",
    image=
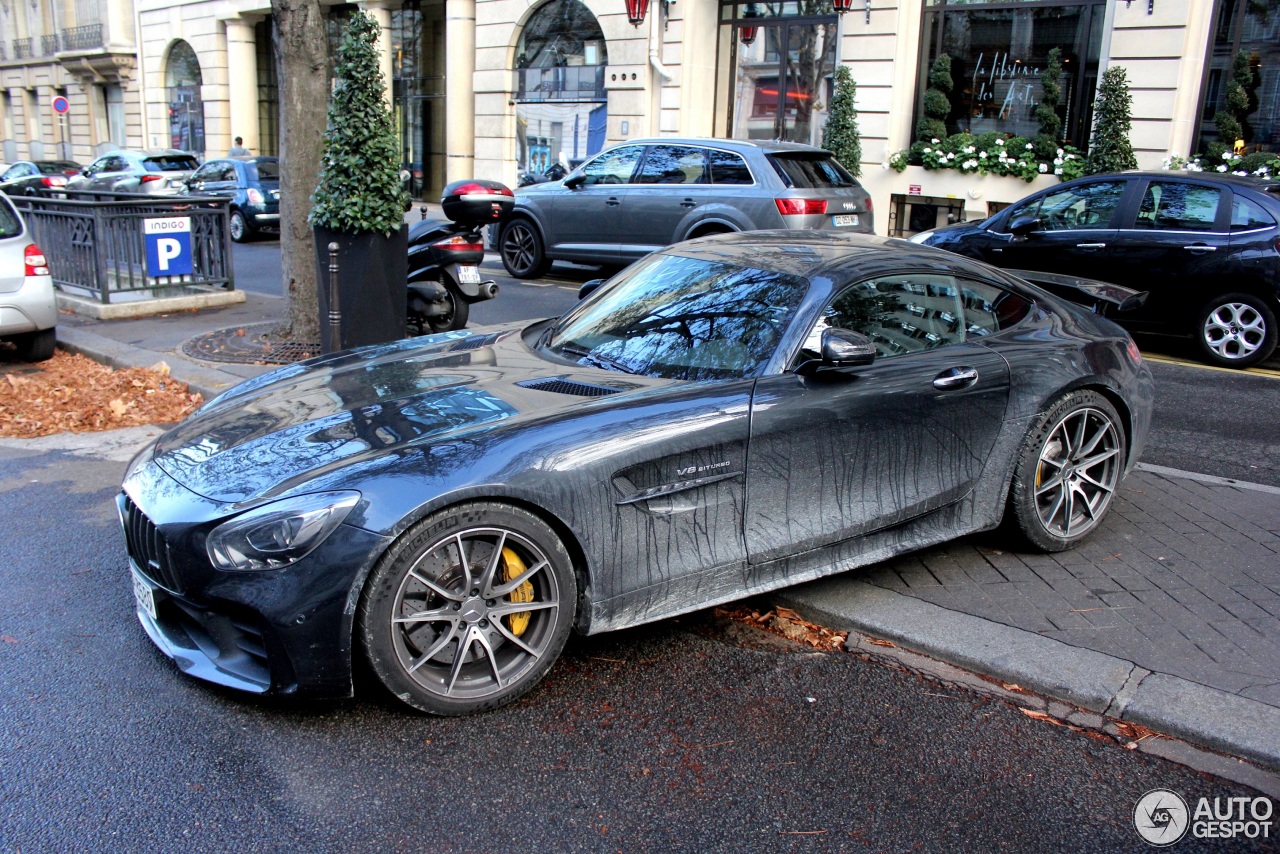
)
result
[(575, 181), (588, 288), (1021, 226), (844, 348)]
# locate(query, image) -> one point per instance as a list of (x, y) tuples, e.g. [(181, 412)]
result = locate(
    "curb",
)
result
[(1092, 680), (208, 382)]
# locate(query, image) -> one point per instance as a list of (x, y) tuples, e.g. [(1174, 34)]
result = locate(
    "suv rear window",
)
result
[(811, 171), (171, 163)]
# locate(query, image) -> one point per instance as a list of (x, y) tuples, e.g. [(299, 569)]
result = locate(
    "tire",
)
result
[(1067, 472), (241, 231), (1236, 330), (36, 346), (522, 251), (419, 599)]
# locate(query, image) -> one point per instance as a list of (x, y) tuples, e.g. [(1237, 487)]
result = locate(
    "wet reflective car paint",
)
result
[(670, 495)]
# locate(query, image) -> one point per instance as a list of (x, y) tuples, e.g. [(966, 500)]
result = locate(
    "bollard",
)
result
[(333, 336)]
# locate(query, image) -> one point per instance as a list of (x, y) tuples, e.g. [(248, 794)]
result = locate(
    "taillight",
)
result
[(54, 180), (1134, 354), (148, 178), (458, 243), (801, 207), (868, 204), (34, 262), (481, 189), (254, 196)]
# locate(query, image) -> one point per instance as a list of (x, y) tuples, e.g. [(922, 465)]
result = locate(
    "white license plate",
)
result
[(468, 275), (844, 220), (144, 595)]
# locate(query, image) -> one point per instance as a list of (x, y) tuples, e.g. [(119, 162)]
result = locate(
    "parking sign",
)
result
[(168, 246)]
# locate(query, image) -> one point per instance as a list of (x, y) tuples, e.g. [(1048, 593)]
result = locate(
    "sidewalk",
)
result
[(1168, 616)]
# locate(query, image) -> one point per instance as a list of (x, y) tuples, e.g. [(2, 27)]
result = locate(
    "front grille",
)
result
[(147, 547), (560, 385)]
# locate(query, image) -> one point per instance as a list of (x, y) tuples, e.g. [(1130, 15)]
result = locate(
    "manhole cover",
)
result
[(249, 345)]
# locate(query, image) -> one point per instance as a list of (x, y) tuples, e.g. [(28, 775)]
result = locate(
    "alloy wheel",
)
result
[(1077, 472), (1235, 330)]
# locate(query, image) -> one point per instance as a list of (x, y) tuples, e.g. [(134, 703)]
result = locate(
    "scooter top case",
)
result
[(476, 202)]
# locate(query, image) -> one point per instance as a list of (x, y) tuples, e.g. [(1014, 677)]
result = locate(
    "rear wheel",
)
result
[(241, 232), (522, 251), (1067, 472), (1236, 330), (36, 346), (469, 609)]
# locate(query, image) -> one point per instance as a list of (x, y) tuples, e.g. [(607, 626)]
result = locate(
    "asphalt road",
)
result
[(688, 735)]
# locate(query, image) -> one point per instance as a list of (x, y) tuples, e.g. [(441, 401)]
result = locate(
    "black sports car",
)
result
[(725, 417)]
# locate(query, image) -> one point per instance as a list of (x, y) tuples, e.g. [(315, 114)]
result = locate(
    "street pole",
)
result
[(333, 337)]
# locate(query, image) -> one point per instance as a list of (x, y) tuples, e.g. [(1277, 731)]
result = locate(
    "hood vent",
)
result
[(475, 342), (560, 385)]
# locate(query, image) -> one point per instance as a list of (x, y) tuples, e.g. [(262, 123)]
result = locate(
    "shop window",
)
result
[(910, 215), (1253, 28)]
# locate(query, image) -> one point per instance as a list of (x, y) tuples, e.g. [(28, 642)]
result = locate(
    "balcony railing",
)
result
[(85, 37), (561, 83), (49, 45), (22, 48)]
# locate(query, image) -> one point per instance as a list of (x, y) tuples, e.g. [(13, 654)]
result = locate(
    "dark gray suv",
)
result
[(636, 197)]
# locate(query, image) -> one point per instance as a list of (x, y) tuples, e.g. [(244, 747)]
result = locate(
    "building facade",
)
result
[(490, 88)]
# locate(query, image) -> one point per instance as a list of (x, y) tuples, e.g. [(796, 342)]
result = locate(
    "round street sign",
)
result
[(61, 104)]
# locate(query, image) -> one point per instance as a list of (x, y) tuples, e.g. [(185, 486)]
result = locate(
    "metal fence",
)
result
[(98, 246)]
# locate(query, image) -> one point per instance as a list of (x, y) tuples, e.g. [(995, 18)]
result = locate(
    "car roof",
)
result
[(1254, 181), (740, 145)]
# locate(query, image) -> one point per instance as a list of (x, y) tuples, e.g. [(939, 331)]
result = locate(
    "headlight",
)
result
[(922, 237), (278, 534)]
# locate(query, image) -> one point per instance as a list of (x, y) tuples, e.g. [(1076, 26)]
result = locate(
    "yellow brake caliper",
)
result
[(512, 568)]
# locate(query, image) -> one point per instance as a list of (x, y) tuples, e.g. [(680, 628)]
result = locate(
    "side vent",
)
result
[(560, 385)]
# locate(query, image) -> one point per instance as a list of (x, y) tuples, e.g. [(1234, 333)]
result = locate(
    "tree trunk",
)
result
[(302, 67)]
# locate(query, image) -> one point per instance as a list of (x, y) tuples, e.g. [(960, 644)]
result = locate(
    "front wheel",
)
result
[(522, 251), (1236, 330), (469, 609), (1067, 472)]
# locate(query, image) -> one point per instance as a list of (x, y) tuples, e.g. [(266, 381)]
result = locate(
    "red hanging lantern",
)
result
[(747, 35), (842, 6), (636, 11)]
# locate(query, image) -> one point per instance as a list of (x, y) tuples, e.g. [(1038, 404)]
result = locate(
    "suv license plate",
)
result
[(468, 274), (144, 595), (844, 220)]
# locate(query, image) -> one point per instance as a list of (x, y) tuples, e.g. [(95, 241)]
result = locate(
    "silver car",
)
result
[(637, 197), (158, 171), (28, 309)]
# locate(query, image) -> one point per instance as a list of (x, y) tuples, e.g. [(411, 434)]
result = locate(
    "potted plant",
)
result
[(1111, 149), (840, 135), (360, 201)]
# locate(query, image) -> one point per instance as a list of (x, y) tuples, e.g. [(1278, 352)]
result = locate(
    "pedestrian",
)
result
[(238, 150)]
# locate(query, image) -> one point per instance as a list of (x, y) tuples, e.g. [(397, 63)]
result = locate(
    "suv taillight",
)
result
[(458, 243), (34, 263), (868, 204), (801, 207), (146, 178)]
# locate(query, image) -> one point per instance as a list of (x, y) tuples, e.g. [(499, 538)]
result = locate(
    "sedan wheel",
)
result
[(240, 231), (522, 251), (1237, 330), (1068, 472), (469, 610)]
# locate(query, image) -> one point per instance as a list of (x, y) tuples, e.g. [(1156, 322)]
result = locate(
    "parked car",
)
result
[(28, 309), (253, 186), (160, 171), (1206, 247), (30, 177), (640, 196), (725, 417)]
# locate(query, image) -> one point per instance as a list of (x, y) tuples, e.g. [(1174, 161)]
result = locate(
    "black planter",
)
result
[(372, 296)]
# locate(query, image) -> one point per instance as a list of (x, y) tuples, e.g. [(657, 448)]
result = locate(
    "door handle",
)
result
[(1200, 247), (1091, 246), (612, 201), (954, 378), (688, 203)]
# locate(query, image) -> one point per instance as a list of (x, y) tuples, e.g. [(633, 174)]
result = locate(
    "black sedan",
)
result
[(725, 417), (33, 177), (253, 186), (1206, 246)]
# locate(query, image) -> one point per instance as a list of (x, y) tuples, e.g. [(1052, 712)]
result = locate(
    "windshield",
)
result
[(682, 318)]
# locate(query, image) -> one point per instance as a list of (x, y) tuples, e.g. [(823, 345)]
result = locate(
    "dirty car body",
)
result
[(710, 424)]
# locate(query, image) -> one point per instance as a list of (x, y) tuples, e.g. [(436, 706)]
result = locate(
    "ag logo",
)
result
[(1161, 817)]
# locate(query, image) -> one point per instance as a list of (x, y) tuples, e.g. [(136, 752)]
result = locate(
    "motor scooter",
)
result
[(444, 256)]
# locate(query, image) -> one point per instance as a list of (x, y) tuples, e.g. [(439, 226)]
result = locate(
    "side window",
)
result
[(725, 167), (1174, 206), (207, 172), (612, 167), (1247, 215), (115, 164), (673, 164), (1081, 207), (988, 309), (901, 314), (227, 172), (11, 173)]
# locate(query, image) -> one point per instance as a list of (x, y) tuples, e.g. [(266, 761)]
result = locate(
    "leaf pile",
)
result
[(788, 624), (71, 393)]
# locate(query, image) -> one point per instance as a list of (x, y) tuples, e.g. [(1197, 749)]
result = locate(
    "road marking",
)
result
[(1269, 373)]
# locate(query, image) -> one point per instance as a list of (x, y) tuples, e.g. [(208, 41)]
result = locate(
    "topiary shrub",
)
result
[(1046, 112), (937, 101), (360, 188), (1110, 149), (840, 135)]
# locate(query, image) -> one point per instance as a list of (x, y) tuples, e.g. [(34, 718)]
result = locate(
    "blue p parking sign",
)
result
[(168, 246)]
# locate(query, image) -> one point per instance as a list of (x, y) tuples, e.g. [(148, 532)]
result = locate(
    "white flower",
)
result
[(982, 154), (1044, 167), (970, 150), (1058, 171), (1226, 155), (1222, 168), (885, 166), (1028, 146), (935, 141), (928, 151), (1240, 172), (999, 141), (970, 164), (1058, 160), (1060, 152)]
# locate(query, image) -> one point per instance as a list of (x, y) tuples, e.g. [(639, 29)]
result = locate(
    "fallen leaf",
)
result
[(161, 368), (118, 407), (1040, 716), (879, 642), (8, 638)]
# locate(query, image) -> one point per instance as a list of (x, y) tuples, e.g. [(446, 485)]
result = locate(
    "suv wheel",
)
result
[(522, 251)]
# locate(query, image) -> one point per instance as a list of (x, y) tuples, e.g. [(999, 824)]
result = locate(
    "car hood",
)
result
[(274, 433)]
